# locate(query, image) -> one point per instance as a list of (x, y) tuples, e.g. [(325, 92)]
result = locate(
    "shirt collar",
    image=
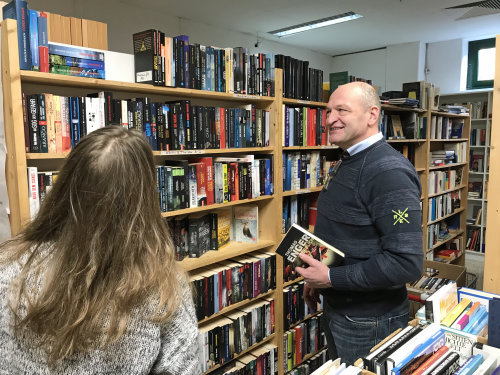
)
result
[(364, 144)]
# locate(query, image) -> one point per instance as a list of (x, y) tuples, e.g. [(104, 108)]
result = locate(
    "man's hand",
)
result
[(316, 275), (311, 296)]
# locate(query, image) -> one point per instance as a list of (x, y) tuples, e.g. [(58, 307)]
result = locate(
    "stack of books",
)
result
[(76, 61)]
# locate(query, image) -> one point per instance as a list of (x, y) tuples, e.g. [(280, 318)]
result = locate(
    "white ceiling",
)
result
[(384, 22)]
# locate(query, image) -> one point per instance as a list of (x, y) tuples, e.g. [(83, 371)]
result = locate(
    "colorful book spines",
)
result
[(455, 313)]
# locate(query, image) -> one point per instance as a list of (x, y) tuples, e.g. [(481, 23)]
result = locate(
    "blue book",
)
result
[(288, 172), (420, 354), (216, 293), (75, 120), (185, 59), (494, 323), (35, 61), (18, 10), (480, 325), (475, 320), (81, 53), (471, 365)]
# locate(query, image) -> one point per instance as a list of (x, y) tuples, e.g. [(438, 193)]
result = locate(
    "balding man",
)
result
[(370, 209)]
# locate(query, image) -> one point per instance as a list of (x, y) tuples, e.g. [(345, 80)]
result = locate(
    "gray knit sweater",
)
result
[(145, 347)]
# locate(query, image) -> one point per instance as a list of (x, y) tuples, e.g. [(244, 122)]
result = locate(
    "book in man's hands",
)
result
[(299, 240)]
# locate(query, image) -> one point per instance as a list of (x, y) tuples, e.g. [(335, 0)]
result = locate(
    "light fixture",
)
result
[(349, 16)]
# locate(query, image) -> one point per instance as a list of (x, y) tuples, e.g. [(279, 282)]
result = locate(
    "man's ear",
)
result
[(374, 115)]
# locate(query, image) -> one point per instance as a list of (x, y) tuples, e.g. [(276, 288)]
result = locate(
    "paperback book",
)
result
[(299, 240)]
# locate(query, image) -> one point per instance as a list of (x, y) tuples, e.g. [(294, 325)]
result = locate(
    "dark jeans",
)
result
[(351, 337)]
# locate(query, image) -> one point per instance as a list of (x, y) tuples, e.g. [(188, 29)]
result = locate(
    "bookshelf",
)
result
[(16, 82), (439, 182), (480, 103)]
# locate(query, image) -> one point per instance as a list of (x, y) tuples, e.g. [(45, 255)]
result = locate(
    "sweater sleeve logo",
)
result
[(400, 216)]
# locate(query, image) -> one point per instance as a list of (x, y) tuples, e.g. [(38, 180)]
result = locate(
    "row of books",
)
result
[(172, 61), (295, 308), (427, 284), (441, 181), (402, 126), (452, 250), (450, 153), (204, 181), (443, 205), (233, 281), (304, 126), (76, 61), (56, 123), (235, 332), (473, 242), (341, 78), (263, 360), (303, 170), (299, 80), (446, 127), (477, 137), (301, 210), (310, 365), (303, 339)]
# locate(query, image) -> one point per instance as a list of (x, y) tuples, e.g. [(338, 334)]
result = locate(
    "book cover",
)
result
[(299, 240), (144, 56), (245, 223), (72, 51), (224, 226)]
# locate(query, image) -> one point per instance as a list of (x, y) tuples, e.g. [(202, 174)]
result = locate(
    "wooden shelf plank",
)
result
[(452, 236), (215, 206), (232, 307), (450, 140), (405, 140), (446, 191), (233, 249), (50, 79), (302, 191), (255, 346), (433, 168), (306, 358), (304, 148), (446, 216), (308, 103), (447, 114), (292, 282)]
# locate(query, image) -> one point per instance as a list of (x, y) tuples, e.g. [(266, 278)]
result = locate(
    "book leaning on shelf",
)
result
[(298, 240)]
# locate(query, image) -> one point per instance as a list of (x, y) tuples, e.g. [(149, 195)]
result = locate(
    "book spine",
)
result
[(35, 61), (34, 131), (42, 124), (43, 42), (75, 62), (81, 53)]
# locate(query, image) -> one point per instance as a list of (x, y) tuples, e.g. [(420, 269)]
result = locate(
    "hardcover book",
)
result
[(299, 240)]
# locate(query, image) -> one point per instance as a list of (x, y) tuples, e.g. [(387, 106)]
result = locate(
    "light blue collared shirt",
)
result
[(364, 144)]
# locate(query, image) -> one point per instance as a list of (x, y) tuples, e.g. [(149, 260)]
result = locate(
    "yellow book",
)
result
[(455, 313)]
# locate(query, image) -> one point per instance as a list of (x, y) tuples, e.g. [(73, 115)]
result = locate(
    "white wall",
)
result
[(388, 68), (123, 20), (444, 63)]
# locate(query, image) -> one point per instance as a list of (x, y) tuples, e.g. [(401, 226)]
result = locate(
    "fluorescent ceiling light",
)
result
[(349, 16)]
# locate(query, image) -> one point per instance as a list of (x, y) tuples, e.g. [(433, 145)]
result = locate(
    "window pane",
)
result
[(486, 64)]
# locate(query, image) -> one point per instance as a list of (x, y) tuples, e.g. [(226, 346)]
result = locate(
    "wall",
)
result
[(388, 68), (444, 60), (123, 20)]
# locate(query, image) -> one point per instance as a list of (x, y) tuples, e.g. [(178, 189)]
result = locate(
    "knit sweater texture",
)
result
[(371, 211), (145, 348)]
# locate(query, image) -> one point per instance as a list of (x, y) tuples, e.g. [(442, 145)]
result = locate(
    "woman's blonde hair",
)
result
[(97, 249)]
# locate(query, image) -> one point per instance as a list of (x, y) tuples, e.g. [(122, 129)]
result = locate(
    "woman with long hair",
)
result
[(91, 285)]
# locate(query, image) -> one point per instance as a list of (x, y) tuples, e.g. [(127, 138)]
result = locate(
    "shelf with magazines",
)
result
[(259, 199), (481, 108)]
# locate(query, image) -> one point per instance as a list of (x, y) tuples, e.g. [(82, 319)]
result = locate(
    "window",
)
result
[(481, 66)]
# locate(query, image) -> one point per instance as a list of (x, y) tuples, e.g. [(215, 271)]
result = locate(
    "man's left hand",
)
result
[(316, 274)]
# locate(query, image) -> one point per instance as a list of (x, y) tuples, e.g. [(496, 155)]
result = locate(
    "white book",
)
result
[(34, 195)]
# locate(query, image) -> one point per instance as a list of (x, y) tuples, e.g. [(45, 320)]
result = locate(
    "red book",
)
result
[(209, 167), (324, 128), (298, 344), (222, 115), (313, 127), (229, 286), (43, 42), (433, 359)]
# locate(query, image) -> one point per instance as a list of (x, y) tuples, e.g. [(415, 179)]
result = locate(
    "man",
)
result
[(369, 209)]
